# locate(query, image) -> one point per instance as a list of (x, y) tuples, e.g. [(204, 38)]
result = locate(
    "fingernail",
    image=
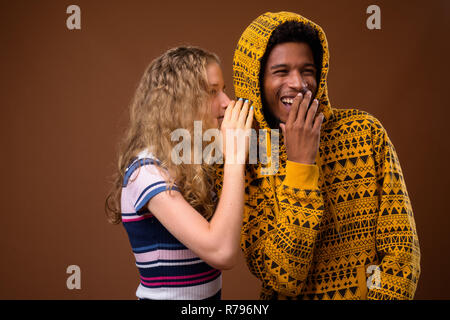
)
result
[(240, 99), (251, 108), (246, 101), (299, 94)]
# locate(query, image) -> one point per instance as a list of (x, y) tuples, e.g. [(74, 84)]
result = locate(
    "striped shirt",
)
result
[(168, 270)]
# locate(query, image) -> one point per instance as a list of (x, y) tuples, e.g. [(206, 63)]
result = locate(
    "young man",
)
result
[(335, 221)]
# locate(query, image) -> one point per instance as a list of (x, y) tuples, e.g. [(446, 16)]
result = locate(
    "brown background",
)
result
[(64, 105)]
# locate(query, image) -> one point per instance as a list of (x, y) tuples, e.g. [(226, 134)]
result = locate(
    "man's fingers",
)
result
[(318, 122), (311, 113), (283, 129), (294, 109), (303, 108)]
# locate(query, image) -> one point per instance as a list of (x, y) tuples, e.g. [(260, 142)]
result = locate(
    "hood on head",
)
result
[(249, 52)]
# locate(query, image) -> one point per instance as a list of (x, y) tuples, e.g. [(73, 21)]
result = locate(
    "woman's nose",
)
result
[(225, 101)]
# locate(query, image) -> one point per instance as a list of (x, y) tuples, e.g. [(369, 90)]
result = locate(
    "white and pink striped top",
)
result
[(168, 270)]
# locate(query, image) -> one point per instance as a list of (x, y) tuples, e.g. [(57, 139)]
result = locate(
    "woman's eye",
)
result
[(311, 71), (280, 72)]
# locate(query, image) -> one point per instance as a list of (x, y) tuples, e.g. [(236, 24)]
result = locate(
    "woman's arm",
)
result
[(216, 242)]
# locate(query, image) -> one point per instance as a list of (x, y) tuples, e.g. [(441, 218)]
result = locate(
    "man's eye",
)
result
[(282, 71), (311, 71)]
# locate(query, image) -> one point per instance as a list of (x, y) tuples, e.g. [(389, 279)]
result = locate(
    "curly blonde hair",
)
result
[(172, 94)]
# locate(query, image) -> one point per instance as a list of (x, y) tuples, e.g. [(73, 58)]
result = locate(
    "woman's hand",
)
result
[(236, 131), (302, 130)]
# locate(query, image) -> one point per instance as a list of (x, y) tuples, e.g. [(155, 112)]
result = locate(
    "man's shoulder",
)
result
[(354, 118), (351, 114)]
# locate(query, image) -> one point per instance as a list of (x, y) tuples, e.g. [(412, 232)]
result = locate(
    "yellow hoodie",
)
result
[(340, 229)]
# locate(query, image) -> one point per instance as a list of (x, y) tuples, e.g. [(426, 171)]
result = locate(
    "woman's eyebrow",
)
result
[(217, 85)]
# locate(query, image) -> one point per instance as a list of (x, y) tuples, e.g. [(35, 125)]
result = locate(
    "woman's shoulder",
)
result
[(143, 160), (144, 157), (143, 179), (146, 154)]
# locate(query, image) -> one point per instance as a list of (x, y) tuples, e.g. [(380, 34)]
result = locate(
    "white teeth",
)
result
[(287, 100)]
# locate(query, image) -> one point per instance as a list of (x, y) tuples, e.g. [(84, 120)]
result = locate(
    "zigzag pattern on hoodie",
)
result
[(352, 235)]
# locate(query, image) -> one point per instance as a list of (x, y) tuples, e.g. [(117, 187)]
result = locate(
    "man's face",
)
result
[(219, 99), (290, 69)]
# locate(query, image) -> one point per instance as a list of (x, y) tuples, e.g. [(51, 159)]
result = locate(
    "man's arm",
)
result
[(281, 227), (396, 237)]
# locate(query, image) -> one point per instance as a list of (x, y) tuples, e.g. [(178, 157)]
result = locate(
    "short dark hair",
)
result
[(294, 31)]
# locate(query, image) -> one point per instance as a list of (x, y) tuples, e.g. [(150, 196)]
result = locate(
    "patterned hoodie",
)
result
[(340, 229)]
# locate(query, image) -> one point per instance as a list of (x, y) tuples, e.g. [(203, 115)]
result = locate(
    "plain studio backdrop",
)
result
[(65, 95)]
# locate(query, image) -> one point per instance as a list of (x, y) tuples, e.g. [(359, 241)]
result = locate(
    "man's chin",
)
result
[(285, 109), (283, 119)]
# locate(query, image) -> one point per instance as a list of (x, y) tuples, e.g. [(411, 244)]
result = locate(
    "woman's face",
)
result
[(219, 99)]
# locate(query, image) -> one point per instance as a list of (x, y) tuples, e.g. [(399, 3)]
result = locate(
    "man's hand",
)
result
[(302, 130)]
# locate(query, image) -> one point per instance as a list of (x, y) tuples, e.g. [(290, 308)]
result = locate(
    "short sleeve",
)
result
[(143, 180)]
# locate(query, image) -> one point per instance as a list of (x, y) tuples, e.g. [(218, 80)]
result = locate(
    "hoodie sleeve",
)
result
[(397, 242), (281, 258)]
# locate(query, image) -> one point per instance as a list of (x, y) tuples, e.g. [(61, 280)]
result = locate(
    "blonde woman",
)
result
[(180, 239)]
